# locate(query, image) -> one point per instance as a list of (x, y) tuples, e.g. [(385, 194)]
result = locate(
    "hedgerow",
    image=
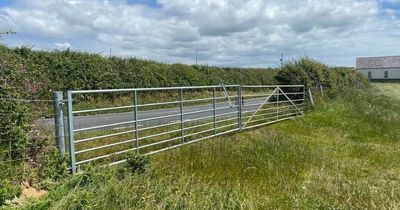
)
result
[(314, 74), (65, 70)]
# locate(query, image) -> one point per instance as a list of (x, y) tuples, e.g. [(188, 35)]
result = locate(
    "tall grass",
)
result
[(343, 155)]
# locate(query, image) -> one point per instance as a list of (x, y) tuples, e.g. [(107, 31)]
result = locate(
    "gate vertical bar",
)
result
[(304, 94), (214, 111), (181, 115), (59, 122), (277, 103), (71, 134), (239, 106), (135, 115)]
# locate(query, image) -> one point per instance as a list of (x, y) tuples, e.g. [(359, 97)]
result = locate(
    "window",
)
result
[(369, 75), (386, 74)]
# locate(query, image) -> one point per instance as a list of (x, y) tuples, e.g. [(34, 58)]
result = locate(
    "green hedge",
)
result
[(65, 70), (314, 74)]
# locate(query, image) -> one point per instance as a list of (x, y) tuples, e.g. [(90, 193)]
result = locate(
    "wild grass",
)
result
[(345, 154), (155, 138), (390, 89)]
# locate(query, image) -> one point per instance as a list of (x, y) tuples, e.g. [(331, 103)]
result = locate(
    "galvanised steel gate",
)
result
[(152, 120)]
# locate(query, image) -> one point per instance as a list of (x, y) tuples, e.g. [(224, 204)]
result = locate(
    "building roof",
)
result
[(378, 62)]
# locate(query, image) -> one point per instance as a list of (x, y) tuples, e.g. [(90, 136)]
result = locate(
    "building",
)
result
[(379, 68)]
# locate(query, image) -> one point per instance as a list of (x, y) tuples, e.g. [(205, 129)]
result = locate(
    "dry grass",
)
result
[(389, 89)]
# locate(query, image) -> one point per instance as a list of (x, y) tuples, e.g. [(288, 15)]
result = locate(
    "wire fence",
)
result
[(25, 142)]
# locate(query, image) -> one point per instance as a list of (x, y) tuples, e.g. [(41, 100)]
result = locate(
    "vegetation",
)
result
[(342, 155), (137, 163), (65, 70), (390, 89), (314, 74), (8, 191)]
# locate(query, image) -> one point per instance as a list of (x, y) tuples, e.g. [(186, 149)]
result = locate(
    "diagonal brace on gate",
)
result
[(258, 109), (226, 94), (290, 100)]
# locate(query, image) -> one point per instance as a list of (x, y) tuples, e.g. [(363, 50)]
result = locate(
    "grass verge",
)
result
[(343, 155)]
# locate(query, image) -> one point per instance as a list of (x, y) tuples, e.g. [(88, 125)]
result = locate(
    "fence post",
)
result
[(181, 115), (239, 106), (322, 91), (59, 122), (310, 96), (214, 111), (135, 115), (71, 133)]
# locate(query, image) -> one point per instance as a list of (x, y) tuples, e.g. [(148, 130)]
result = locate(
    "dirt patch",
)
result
[(27, 193), (30, 192)]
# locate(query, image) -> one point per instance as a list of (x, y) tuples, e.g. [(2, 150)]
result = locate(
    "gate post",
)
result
[(59, 122), (71, 134)]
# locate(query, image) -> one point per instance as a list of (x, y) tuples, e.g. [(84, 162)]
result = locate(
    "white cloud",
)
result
[(64, 45), (228, 32)]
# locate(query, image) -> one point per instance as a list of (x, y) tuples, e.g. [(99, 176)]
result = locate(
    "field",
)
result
[(389, 89), (344, 154)]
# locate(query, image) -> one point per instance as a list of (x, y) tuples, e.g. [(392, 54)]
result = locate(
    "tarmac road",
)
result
[(162, 115)]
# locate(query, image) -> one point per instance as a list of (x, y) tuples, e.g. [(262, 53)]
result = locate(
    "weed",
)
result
[(137, 163)]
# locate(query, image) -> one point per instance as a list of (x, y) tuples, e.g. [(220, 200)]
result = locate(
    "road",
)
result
[(162, 115)]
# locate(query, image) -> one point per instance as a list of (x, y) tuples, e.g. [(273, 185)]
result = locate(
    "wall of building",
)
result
[(379, 74)]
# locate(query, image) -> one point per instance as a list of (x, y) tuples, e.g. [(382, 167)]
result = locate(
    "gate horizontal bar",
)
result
[(267, 123), (102, 109), (210, 123), (160, 142), (270, 113), (158, 126), (103, 136), (159, 134), (269, 86), (271, 108), (263, 95), (190, 142), (272, 102), (211, 116), (103, 126), (147, 89), (105, 146)]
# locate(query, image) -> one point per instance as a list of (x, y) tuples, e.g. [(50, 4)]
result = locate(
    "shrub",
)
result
[(8, 191), (313, 74), (304, 71), (14, 124), (54, 165), (137, 163)]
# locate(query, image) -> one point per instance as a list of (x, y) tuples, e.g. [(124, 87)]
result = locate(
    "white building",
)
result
[(379, 68)]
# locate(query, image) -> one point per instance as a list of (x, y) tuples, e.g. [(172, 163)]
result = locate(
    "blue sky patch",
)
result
[(4, 3), (150, 3), (390, 5)]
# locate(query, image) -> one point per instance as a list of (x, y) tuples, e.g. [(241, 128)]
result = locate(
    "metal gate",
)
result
[(152, 120)]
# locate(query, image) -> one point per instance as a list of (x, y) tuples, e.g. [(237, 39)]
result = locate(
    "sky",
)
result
[(236, 33)]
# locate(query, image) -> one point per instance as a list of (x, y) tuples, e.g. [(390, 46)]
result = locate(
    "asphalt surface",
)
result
[(81, 122)]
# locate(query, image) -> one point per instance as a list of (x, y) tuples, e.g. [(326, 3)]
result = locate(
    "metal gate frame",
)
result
[(276, 92), (234, 112)]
